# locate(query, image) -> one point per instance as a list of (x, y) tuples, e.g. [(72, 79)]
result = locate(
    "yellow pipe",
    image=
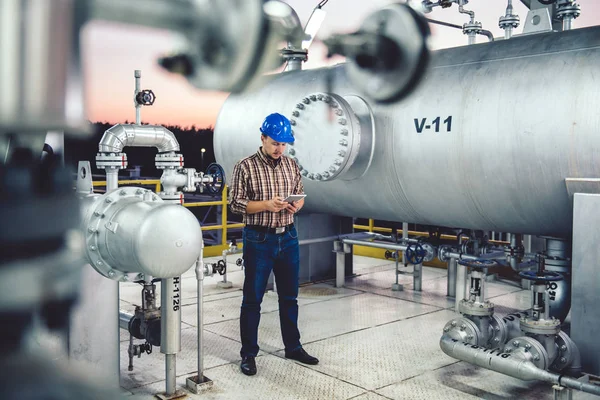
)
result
[(215, 227), (204, 204), (132, 182), (371, 225)]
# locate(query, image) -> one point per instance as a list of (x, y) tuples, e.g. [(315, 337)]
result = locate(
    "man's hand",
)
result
[(276, 204), (295, 206)]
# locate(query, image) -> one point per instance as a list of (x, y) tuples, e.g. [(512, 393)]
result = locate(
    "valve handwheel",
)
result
[(218, 178)]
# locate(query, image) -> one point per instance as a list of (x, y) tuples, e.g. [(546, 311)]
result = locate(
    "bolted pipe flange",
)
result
[(566, 352), (464, 330), (509, 21), (472, 27), (567, 10), (476, 308), (111, 160), (330, 116), (168, 160), (528, 349), (499, 332), (540, 326)]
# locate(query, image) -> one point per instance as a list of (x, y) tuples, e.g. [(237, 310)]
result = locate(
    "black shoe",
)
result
[(302, 356), (248, 365)]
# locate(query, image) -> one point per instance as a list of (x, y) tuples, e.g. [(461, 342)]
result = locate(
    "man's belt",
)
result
[(279, 230)]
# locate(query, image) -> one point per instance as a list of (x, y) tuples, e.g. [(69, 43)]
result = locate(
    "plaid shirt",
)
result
[(259, 178)]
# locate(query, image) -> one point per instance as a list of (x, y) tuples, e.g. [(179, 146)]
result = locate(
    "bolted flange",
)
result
[(342, 151)]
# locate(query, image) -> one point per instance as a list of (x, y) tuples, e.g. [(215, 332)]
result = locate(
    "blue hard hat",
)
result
[(278, 128)]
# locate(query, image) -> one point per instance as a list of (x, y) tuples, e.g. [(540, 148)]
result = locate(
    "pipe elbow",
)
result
[(286, 17), (168, 143), (120, 136), (113, 140)]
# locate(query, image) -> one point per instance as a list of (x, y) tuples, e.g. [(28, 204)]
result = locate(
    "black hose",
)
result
[(547, 2)]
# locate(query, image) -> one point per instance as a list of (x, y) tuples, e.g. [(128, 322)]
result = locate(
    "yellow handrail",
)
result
[(372, 228), (155, 182), (223, 202)]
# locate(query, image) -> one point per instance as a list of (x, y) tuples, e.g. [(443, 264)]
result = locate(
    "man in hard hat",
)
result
[(259, 185)]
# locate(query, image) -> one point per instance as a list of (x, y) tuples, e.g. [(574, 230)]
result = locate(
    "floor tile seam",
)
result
[(385, 323), (415, 376), (370, 391), (277, 310), (358, 330), (315, 370), (399, 298)]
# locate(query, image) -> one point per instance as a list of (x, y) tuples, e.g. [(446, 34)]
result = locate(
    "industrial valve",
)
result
[(478, 324), (145, 97)]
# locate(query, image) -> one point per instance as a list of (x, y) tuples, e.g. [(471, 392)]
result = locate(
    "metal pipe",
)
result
[(170, 329), (124, 318), (200, 316), (138, 107), (418, 277), (434, 21), (286, 17), (120, 136), (112, 179), (324, 239), (171, 374), (487, 33), (461, 284), (511, 364), (378, 245), (567, 23), (405, 237), (451, 285)]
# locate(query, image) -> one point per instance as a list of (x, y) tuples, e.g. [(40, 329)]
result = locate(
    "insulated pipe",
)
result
[(119, 136), (511, 364)]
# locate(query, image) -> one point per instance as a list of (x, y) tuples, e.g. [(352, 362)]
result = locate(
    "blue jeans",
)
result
[(265, 252)]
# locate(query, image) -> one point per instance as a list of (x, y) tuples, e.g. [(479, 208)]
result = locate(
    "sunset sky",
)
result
[(112, 52)]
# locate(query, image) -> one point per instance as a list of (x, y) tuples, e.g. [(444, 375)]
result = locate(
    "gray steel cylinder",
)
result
[(130, 232), (485, 142)]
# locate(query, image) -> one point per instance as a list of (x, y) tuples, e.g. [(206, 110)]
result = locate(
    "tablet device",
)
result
[(294, 197)]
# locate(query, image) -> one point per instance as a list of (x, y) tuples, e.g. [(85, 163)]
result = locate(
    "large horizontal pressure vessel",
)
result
[(485, 142)]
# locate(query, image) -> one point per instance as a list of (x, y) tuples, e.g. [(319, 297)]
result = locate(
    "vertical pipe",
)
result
[(170, 320), (371, 225), (112, 179), (138, 107), (224, 255), (461, 284), (507, 32), (472, 38), (340, 267), (404, 236), (200, 279), (567, 23), (224, 217), (451, 289), (171, 374), (418, 277)]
